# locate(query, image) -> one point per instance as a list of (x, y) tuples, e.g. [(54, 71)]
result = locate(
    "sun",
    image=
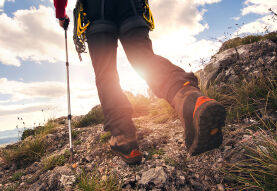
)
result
[(131, 81)]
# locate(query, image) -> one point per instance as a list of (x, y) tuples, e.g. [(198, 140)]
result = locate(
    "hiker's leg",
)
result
[(202, 117), (115, 105), (164, 78), (102, 41)]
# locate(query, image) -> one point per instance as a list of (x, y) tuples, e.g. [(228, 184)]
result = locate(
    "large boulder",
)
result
[(244, 62)]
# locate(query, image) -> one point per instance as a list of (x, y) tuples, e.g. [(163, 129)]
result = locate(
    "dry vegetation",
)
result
[(256, 100), (233, 43), (31, 149)]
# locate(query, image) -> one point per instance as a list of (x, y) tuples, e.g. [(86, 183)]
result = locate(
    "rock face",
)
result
[(154, 175), (241, 63), (59, 177)]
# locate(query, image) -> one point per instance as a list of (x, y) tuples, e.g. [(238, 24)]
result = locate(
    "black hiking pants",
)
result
[(121, 19)]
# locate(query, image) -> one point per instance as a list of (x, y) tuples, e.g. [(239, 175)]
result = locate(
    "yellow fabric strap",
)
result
[(81, 29), (149, 20)]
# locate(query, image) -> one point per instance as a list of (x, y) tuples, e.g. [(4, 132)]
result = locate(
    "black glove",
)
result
[(64, 22)]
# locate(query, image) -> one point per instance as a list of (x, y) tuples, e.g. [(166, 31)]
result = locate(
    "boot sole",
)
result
[(208, 121), (131, 161)]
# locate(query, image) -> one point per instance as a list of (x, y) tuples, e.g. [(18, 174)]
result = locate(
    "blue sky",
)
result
[(32, 70)]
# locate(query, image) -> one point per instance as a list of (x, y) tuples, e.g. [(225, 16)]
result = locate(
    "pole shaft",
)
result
[(68, 98)]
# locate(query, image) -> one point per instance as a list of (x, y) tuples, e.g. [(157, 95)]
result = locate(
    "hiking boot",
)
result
[(126, 148), (202, 117)]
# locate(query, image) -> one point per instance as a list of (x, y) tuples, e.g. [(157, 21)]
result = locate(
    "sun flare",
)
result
[(131, 81)]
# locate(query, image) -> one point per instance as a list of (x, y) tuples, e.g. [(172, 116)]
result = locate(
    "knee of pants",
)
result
[(132, 23), (107, 79), (102, 26)]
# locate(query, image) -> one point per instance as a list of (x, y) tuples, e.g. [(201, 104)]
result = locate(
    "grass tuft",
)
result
[(48, 128), (31, 150), (93, 181), (74, 134), (26, 152), (232, 43), (27, 133), (259, 170), (247, 99), (55, 160), (77, 142), (153, 152), (105, 137), (16, 176), (179, 164)]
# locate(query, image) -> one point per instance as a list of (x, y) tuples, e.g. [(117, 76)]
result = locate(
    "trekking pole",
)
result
[(69, 117)]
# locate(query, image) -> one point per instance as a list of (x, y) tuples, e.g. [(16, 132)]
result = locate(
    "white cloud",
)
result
[(26, 100), (175, 15), (265, 23), (1, 5), (258, 26), (259, 6), (2, 2), (20, 109), (31, 115), (20, 90), (54, 92), (8, 57), (203, 2), (235, 18), (35, 35), (32, 35)]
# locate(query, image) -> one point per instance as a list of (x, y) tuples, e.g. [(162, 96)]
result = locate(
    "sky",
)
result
[(32, 53)]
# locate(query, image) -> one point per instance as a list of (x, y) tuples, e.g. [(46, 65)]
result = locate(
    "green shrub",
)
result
[(74, 134), (232, 43), (25, 153), (16, 176), (271, 36), (154, 151), (67, 153), (250, 39), (94, 181), (27, 132), (77, 142), (94, 117), (28, 151), (56, 160), (48, 128), (105, 137)]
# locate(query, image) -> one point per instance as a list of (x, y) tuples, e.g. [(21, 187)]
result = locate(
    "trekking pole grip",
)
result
[(66, 23)]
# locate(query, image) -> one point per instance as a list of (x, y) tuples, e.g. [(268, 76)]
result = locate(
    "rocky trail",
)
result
[(165, 166), (243, 78)]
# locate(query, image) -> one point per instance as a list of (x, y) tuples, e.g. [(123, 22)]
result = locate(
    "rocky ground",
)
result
[(166, 165)]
